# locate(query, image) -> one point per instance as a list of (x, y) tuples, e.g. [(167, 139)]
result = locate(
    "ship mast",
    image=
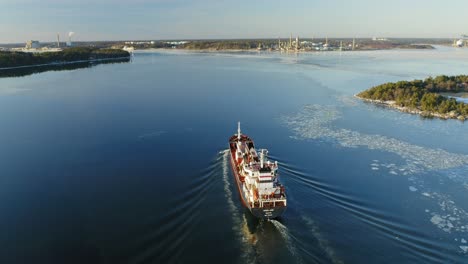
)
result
[(262, 157), (238, 131)]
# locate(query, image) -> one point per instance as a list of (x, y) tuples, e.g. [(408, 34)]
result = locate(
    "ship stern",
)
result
[(268, 213)]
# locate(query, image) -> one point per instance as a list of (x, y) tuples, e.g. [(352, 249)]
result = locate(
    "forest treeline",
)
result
[(16, 59), (423, 95), (222, 45)]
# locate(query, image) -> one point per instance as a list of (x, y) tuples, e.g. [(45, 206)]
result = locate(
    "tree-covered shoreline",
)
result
[(25, 71), (10, 59), (423, 96)]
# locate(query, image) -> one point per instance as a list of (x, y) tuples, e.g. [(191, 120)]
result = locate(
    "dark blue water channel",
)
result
[(127, 163)]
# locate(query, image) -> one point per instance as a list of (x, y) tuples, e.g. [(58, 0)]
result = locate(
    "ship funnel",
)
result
[(238, 131)]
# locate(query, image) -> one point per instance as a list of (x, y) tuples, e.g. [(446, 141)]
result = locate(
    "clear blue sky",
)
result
[(21, 20)]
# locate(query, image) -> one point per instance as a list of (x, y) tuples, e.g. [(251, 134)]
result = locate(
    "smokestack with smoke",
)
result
[(70, 34)]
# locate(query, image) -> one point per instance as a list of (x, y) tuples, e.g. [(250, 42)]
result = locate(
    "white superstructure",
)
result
[(261, 186)]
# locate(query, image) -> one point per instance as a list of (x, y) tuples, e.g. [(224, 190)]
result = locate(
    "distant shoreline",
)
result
[(10, 60), (62, 63), (291, 45), (415, 111), (427, 97), (430, 47)]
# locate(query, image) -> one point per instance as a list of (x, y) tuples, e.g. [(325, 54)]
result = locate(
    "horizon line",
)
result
[(213, 39)]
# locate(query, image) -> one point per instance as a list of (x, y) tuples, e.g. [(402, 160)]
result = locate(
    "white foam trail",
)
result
[(247, 239), (323, 243), (283, 230), (227, 190)]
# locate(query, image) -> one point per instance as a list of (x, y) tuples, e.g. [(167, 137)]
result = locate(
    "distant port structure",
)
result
[(35, 46), (310, 44), (291, 44), (461, 42), (32, 44), (298, 44)]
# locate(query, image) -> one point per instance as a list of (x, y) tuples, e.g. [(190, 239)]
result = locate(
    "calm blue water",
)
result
[(127, 163)]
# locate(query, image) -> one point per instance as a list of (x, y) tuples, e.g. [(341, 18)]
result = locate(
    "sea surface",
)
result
[(127, 163)]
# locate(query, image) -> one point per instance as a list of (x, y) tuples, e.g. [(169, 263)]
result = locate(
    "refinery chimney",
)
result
[(69, 42)]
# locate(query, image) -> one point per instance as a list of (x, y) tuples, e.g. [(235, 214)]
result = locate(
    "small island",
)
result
[(432, 97), (14, 59)]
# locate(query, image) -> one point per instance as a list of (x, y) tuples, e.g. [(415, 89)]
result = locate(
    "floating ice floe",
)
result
[(442, 223), (316, 122), (464, 248), (436, 220), (453, 219), (413, 189)]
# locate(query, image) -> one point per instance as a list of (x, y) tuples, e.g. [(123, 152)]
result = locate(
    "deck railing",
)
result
[(266, 203)]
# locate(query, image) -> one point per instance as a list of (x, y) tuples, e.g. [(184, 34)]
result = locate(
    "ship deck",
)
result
[(262, 207)]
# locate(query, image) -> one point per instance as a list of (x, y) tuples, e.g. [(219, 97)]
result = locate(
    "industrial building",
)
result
[(32, 44)]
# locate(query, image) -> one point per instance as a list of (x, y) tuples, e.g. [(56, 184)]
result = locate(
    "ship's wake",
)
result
[(288, 239), (317, 122), (391, 226), (323, 251), (165, 237), (260, 240), (247, 239)]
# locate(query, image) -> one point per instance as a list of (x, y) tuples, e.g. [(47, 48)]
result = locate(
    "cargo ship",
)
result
[(256, 178)]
